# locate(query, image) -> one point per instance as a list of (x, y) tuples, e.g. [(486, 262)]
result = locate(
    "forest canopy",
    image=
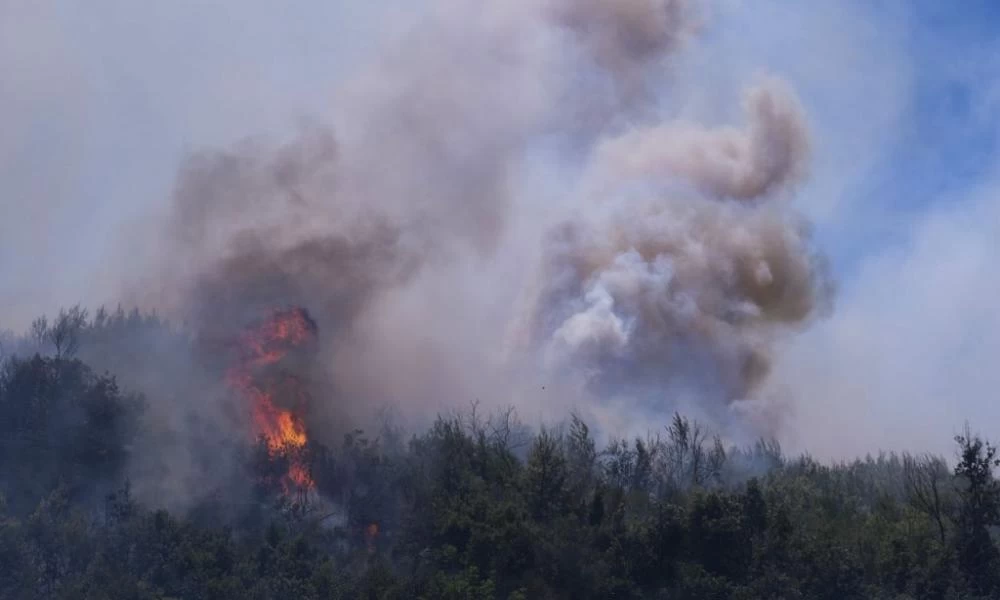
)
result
[(476, 506)]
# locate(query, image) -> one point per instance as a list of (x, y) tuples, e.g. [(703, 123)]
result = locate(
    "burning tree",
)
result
[(265, 375)]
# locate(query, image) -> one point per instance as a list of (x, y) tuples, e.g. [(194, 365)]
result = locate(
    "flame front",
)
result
[(282, 429)]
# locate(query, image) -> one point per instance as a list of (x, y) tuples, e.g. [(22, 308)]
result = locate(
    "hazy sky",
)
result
[(100, 100)]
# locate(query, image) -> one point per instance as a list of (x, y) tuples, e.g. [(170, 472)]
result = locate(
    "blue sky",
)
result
[(947, 134), (99, 102), (907, 355)]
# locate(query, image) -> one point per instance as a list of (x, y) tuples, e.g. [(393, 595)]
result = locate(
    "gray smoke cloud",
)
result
[(417, 173), (690, 267), (627, 37), (414, 229), (768, 154)]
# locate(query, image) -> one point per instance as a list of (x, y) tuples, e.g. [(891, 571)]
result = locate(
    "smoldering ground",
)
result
[(503, 206)]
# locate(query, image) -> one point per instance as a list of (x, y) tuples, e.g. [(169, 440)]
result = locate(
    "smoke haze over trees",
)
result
[(525, 306), (659, 274), (476, 506)]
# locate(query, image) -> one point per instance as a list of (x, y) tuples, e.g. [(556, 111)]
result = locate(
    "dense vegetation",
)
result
[(472, 508)]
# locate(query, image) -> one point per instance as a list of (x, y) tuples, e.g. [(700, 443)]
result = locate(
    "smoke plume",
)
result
[(627, 38), (675, 286), (455, 237)]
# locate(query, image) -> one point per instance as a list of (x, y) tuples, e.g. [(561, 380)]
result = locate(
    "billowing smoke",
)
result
[(764, 157), (688, 267), (627, 38), (461, 229)]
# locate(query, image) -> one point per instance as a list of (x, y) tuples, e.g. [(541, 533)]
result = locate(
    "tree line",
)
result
[(475, 507)]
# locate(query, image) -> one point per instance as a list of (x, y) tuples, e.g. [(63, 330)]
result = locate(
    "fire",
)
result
[(280, 428), (262, 349), (371, 534)]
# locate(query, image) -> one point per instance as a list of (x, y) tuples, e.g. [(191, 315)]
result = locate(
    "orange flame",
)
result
[(283, 430), (371, 533)]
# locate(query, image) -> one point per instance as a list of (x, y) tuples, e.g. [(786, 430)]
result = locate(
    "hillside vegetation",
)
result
[(476, 507)]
